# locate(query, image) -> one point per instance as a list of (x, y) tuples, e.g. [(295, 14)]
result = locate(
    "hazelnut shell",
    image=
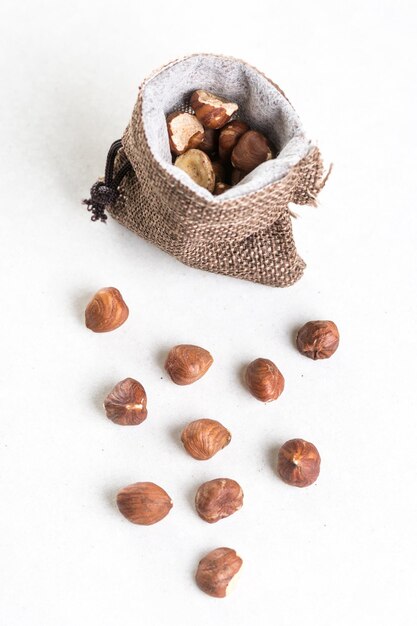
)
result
[(126, 403), (106, 311), (298, 463), (251, 150), (198, 166), (144, 503), (211, 110), (216, 571), (203, 438), (184, 132), (318, 339), (264, 380), (229, 136), (218, 498), (187, 363)]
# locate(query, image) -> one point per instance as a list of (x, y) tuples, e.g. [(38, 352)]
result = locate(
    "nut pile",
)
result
[(215, 151), (146, 503)]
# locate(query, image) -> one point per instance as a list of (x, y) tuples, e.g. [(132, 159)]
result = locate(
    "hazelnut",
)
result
[(184, 132), (236, 176), (219, 171), (186, 364), (264, 380), (221, 188), (210, 141), (126, 403), (198, 166), (218, 498), (144, 503), (216, 571), (106, 311), (251, 150), (229, 136), (298, 463), (203, 438), (212, 111), (318, 340)]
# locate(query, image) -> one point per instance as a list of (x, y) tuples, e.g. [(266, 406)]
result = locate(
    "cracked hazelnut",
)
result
[(184, 132), (186, 364), (144, 503), (126, 403), (218, 498), (251, 150), (264, 380), (298, 463), (229, 136), (198, 166), (210, 141), (318, 340), (106, 311), (221, 188), (203, 438), (217, 570), (212, 111)]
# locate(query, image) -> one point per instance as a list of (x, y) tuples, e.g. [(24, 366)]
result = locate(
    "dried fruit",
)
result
[(106, 311), (229, 136), (210, 141), (251, 150), (198, 166), (217, 570), (218, 498), (186, 364), (184, 132), (298, 463), (126, 403), (203, 438), (318, 340), (221, 188), (212, 111), (264, 380), (144, 503)]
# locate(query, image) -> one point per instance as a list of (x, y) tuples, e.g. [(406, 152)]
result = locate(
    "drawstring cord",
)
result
[(105, 193)]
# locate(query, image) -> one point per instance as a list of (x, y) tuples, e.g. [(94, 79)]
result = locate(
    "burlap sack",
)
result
[(246, 232)]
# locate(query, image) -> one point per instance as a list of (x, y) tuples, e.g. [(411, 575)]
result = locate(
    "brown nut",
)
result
[(264, 380), (212, 111), (219, 171), (218, 498), (210, 141), (126, 403), (106, 311), (251, 150), (236, 176), (203, 438), (229, 136), (318, 340), (186, 364), (184, 132), (144, 503), (217, 570), (198, 166), (221, 188), (298, 463)]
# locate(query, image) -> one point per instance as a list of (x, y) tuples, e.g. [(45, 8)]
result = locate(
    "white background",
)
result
[(340, 552)]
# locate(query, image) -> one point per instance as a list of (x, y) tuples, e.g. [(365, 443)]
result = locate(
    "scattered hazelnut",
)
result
[(106, 311), (221, 188), (186, 364), (212, 111), (318, 340), (210, 141), (184, 132), (298, 463), (126, 403), (198, 166), (251, 150), (203, 438), (264, 380), (229, 136), (216, 571), (219, 171), (236, 176), (144, 503), (218, 498)]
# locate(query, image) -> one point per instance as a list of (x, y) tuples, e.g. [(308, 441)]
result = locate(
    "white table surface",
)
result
[(341, 552)]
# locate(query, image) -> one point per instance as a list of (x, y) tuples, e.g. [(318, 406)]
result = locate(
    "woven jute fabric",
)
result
[(248, 237)]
